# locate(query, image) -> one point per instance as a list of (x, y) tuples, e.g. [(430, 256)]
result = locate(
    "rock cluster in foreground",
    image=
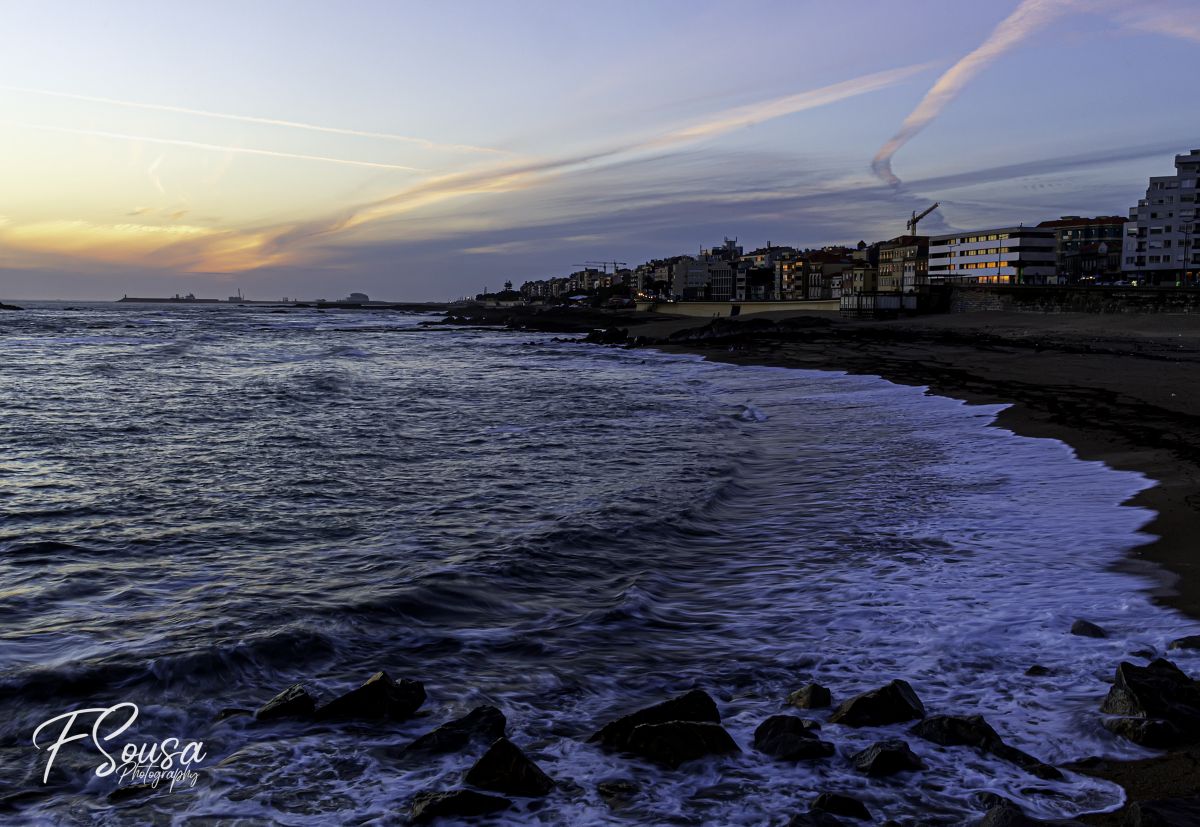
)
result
[(1154, 705)]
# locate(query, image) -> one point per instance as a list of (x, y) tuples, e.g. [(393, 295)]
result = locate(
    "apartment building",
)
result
[(1004, 255)]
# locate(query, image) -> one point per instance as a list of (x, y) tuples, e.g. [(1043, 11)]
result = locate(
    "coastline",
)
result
[(1115, 391), (1119, 389)]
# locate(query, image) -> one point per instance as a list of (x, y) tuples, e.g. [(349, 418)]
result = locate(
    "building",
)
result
[(904, 264), (1158, 245), (1087, 249), (1005, 255)]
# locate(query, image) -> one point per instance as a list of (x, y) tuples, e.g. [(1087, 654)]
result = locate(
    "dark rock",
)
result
[(1171, 812), (1147, 732), (889, 704), (231, 712), (974, 731), (1037, 671), (887, 758), (815, 819), (427, 807), (841, 805), (11, 307), (505, 769), (293, 702), (483, 723), (1084, 628), (380, 698), (1159, 691), (677, 742), (618, 793), (607, 336), (1189, 642), (811, 696), (692, 706), (789, 738)]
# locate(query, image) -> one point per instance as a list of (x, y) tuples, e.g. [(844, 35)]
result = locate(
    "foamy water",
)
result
[(202, 506)]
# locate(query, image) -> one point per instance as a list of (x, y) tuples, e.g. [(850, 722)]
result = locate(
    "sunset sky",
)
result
[(417, 150)]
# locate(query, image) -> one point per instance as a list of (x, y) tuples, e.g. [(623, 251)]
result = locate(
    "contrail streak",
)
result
[(216, 147), (183, 110), (1026, 19)]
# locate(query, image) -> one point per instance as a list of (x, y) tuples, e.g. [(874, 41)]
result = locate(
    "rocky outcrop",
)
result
[(887, 758), (1147, 732), (1085, 628), (839, 804), (380, 698), (789, 738), (504, 768), (483, 723), (974, 731), (890, 704), (1158, 692), (430, 806), (1189, 642), (293, 702), (677, 742), (811, 696), (692, 706)]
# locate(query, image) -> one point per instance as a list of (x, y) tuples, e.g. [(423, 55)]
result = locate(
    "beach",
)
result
[(1120, 389)]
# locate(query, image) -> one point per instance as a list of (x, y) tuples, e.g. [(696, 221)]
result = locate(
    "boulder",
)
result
[(1158, 691), (815, 819), (789, 738), (887, 758), (1037, 671), (380, 698), (1084, 628), (504, 768), (889, 704), (811, 696), (1007, 814), (293, 702), (693, 706), (618, 793), (1147, 732), (429, 806), (483, 723), (974, 731), (677, 742), (1189, 642), (841, 805)]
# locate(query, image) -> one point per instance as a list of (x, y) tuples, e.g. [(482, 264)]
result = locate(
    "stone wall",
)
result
[(967, 299)]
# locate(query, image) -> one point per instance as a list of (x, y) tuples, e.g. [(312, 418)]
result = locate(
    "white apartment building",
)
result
[(1005, 255), (1158, 245)]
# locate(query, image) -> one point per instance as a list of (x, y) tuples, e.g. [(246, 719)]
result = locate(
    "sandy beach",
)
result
[(1119, 389)]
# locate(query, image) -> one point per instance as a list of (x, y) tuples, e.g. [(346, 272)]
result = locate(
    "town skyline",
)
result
[(304, 165)]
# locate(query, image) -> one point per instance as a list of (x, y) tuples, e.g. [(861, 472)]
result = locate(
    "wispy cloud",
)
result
[(510, 177), (1026, 19), (271, 153), (203, 113)]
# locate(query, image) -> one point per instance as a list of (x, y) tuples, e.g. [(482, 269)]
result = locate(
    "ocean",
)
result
[(200, 506)]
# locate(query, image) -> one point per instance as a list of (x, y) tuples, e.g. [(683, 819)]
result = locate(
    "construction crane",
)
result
[(911, 226), (603, 265)]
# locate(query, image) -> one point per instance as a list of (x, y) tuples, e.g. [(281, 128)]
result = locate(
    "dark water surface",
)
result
[(200, 506)]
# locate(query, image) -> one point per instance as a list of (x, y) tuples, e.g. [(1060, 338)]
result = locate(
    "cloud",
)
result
[(1027, 18), (97, 133), (511, 177), (422, 142)]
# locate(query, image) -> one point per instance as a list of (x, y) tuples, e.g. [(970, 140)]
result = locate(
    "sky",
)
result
[(425, 151)]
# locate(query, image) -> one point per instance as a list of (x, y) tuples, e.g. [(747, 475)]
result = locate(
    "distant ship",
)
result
[(176, 299)]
